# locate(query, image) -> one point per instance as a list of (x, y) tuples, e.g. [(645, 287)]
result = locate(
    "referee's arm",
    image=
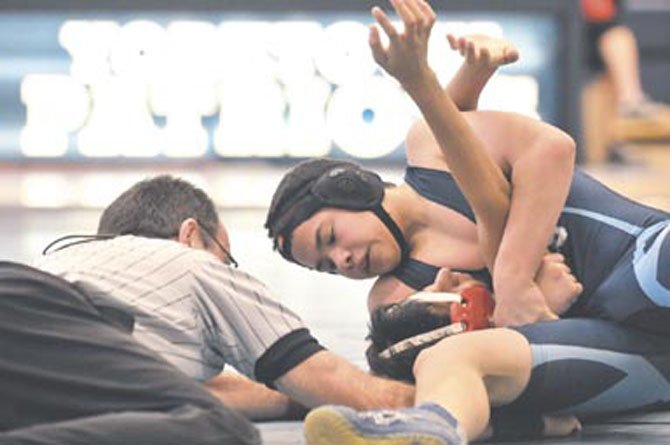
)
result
[(270, 344), (301, 368), (326, 378), (307, 376), (252, 399)]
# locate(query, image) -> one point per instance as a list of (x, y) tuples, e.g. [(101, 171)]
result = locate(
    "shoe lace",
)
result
[(387, 417)]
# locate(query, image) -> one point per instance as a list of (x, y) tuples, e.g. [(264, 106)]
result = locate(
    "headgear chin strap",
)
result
[(470, 310), (344, 186)]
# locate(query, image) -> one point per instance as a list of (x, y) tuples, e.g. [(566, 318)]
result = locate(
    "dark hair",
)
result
[(156, 207), (392, 323)]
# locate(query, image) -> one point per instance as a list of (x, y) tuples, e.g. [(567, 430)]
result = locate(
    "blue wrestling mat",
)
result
[(644, 429)]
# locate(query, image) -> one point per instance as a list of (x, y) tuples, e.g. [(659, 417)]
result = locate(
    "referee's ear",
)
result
[(189, 234)]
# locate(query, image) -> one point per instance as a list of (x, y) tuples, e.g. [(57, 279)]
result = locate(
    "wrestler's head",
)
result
[(327, 215), (389, 324), (399, 331)]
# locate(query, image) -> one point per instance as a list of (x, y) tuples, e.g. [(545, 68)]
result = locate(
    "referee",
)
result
[(104, 339)]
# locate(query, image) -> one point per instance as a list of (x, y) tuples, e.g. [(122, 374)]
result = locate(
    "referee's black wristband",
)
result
[(284, 355), (516, 426)]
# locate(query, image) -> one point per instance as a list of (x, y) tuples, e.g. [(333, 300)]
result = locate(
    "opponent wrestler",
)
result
[(527, 370)]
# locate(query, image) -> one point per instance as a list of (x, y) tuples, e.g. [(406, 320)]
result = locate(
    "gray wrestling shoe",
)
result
[(340, 425)]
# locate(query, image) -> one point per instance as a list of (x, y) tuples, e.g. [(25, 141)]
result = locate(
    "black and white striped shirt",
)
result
[(195, 311)]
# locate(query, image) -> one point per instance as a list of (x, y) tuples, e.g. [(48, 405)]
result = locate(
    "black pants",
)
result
[(71, 375)]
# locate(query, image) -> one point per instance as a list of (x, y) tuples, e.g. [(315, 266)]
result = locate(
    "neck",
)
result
[(404, 206)]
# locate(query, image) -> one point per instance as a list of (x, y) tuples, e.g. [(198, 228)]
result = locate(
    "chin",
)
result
[(363, 276), (384, 268)]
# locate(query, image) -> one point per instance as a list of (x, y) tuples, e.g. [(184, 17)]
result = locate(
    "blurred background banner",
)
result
[(152, 82)]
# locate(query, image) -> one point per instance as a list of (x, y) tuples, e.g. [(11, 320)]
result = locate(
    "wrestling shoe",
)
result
[(427, 424)]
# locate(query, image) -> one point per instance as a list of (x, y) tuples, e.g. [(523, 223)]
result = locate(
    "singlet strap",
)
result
[(417, 274), (390, 224), (440, 187)]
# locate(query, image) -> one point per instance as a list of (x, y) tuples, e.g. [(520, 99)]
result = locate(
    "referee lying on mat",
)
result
[(104, 339)]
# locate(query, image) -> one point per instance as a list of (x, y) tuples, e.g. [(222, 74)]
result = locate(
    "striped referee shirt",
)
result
[(188, 306)]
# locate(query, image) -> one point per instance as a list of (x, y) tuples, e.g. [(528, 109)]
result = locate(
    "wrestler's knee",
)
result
[(436, 356)]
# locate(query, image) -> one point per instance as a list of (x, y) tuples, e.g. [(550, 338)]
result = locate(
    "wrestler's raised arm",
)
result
[(483, 55), (405, 59), (538, 158)]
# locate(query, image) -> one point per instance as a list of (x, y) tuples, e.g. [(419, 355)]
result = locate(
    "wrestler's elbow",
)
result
[(559, 149)]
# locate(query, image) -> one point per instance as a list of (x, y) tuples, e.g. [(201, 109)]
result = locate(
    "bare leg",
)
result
[(619, 51), (469, 373)]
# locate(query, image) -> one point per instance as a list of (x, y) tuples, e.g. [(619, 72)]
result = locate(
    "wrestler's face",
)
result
[(354, 244)]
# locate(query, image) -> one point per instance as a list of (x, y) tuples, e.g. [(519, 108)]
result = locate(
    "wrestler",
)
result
[(524, 371), (337, 217)]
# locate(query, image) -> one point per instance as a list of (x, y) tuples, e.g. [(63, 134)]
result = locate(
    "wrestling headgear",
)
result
[(400, 331), (320, 183), (469, 311)]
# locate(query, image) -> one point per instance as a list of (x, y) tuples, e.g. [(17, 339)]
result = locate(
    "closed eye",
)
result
[(326, 266)]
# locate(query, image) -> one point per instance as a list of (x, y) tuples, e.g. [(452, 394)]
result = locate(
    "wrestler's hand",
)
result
[(559, 286), (519, 305), (554, 426), (484, 52), (448, 281), (560, 426), (405, 58)]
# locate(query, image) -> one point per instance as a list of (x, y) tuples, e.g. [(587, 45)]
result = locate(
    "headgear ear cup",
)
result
[(476, 309), (349, 188)]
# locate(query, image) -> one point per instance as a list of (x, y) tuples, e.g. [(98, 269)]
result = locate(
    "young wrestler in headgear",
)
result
[(527, 369)]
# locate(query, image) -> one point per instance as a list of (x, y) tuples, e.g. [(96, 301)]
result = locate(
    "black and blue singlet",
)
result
[(611, 351)]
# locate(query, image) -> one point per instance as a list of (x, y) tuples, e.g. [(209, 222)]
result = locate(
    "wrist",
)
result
[(423, 87), (294, 410), (477, 72), (509, 282)]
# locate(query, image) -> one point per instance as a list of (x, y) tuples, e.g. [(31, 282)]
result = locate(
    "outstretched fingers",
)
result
[(385, 23), (375, 42), (470, 52), (429, 15), (417, 15), (511, 55), (407, 12), (453, 41), (405, 56), (485, 51)]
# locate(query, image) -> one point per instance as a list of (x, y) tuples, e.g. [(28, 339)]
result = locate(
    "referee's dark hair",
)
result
[(156, 207)]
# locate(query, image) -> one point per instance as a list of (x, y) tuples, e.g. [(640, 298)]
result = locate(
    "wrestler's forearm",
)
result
[(252, 399), (541, 180), (467, 85), (478, 176)]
